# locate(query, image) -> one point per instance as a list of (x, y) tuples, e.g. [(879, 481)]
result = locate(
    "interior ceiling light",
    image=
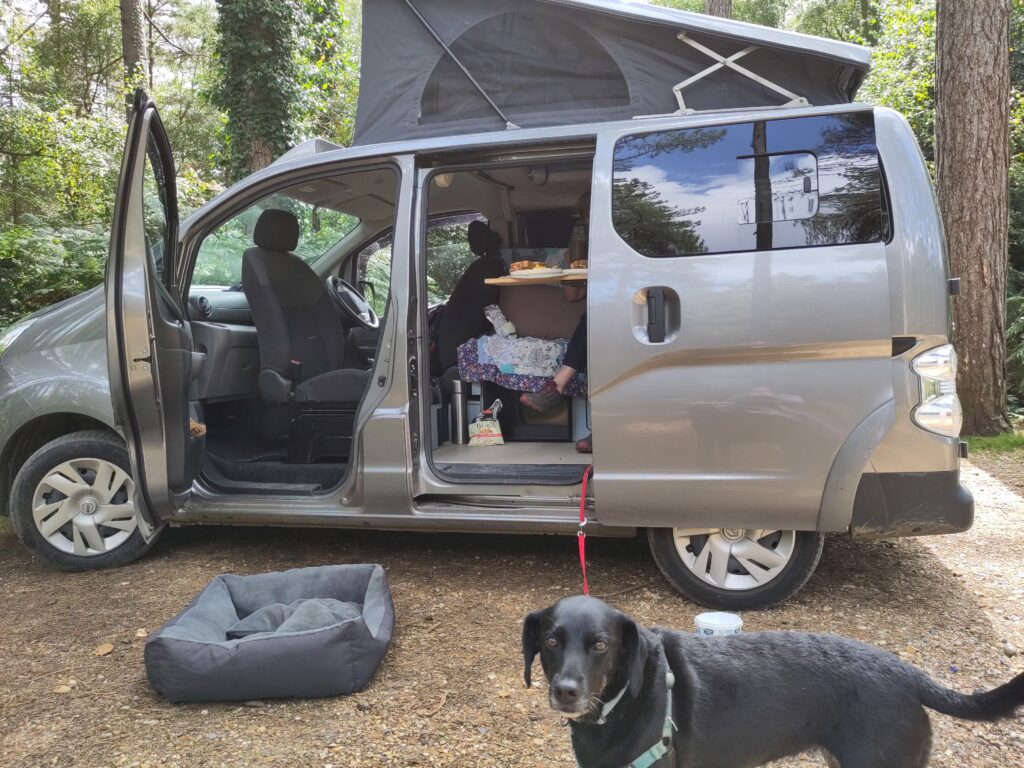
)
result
[(444, 180), (539, 175)]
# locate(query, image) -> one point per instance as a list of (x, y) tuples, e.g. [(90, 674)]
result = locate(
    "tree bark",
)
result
[(721, 8), (261, 154), (972, 175), (150, 41), (133, 42)]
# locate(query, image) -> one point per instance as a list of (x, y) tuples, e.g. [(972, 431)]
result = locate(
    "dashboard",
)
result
[(211, 303)]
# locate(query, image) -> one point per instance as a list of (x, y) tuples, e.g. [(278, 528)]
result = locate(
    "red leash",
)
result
[(581, 534)]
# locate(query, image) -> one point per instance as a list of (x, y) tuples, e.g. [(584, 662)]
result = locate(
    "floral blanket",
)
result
[(522, 365)]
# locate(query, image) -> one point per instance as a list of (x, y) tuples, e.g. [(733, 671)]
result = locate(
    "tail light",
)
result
[(938, 410)]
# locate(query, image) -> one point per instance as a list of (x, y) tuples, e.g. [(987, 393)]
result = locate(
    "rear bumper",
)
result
[(911, 504)]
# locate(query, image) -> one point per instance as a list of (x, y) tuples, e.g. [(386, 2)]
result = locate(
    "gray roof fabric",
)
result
[(563, 62)]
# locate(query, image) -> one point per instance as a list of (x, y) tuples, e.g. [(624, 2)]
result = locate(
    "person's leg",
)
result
[(563, 377), (575, 360), (575, 356), (576, 352), (550, 395)]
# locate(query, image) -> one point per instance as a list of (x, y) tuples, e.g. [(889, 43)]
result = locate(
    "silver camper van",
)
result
[(755, 260)]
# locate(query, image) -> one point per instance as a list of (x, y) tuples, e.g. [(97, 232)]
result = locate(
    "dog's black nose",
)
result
[(566, 691)]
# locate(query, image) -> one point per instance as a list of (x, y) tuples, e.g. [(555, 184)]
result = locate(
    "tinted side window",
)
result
[(753, 186), (448, 254)]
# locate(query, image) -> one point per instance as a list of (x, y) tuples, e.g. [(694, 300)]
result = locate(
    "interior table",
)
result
[(548, 280)]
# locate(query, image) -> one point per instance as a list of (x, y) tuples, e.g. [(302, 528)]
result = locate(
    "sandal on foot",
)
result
[(545, 400)]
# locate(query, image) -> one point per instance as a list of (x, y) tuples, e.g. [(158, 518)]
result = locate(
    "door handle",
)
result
[(657, 323)]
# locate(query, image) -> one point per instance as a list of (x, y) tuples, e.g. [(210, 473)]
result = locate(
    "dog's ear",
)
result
[(634, 655), (531, 643)]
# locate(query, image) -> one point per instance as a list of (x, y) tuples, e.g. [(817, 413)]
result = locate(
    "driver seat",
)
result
[(300, 335)]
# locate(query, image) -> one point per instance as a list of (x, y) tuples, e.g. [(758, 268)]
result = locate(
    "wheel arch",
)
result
[(836, 510), (33, 435)]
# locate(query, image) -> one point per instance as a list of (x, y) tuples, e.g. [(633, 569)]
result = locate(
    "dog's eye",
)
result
[(600, 646), (551, 642)]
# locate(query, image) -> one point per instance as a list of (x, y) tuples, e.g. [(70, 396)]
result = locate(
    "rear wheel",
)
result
[(72, 503), (735, 568)]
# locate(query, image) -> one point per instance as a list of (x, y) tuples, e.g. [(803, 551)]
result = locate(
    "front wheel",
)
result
[(72, 503), (735, 568)]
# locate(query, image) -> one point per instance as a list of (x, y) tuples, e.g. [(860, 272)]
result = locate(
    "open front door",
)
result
[(740, 332), (149, 342)]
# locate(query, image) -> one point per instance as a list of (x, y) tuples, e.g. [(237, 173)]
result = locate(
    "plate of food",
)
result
[(533, 269), (576, 268)]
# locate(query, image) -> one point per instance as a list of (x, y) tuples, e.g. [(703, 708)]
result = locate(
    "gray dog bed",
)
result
[(301, 633)]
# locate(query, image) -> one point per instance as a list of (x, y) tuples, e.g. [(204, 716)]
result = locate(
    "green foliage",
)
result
[(59, 166), (378, 275), (185, 77), (40, 265), (62, 117), (769, 13), (329, 67), (219, 261), (856, 21), (62, 132), (75, 60), (448, 256), (258, 87), (1015, 279), (903, 66), (1008, 442)]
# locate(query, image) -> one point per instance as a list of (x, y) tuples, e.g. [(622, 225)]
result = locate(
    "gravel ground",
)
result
[(450, 691)]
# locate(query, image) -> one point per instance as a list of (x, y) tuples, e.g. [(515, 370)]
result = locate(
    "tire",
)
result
[(68, 535), (793, 554)]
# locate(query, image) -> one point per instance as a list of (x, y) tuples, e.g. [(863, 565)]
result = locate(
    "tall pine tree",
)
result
[(972, 166)]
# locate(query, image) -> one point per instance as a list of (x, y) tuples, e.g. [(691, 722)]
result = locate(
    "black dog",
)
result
[(738, 701)]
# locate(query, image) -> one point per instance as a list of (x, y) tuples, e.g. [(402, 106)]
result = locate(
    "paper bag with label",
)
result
[(486, 430)]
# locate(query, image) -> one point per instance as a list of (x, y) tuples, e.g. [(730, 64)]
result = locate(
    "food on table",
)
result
[(528, 266)]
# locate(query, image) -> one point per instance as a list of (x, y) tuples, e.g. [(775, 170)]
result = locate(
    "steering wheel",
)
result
[(355, 309)]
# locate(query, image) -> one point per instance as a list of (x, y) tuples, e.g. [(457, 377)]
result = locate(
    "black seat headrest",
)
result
[(276, 230), (483, 241)]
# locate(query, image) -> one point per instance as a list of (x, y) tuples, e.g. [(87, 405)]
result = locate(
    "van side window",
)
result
[(448, 254), (373, 273), (765, 185)]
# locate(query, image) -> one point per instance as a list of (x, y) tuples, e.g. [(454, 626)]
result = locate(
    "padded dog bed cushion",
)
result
[(301, 633)]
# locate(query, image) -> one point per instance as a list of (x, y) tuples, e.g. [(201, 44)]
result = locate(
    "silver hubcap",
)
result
[(84, 507), (734, 558)]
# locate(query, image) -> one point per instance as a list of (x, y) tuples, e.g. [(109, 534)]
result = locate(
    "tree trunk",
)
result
[(150, 41), (261, 154), (721, 8), (133, 45), (972, 174)]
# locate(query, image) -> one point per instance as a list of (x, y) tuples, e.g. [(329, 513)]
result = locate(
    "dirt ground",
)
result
[(450, 691)]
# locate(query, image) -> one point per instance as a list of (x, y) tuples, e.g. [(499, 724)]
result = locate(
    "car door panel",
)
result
[(150, 354), (770, 359)]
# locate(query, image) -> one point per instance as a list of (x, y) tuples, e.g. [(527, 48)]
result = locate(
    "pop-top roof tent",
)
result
[(445, 67)]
